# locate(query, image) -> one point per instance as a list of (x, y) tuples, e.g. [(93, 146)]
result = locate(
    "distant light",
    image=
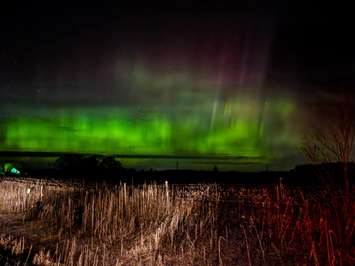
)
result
[(14, 171)]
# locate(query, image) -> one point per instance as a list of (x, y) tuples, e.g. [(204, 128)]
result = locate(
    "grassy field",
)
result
[(53, 222)]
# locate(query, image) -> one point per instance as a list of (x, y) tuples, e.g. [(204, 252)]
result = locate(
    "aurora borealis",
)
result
[(185, 119), (109, 82), (236, 130)]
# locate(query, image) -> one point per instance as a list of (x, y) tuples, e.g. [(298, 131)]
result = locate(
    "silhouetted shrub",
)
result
[(75, 164)]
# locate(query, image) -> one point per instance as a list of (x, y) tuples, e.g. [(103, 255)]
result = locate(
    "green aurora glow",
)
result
[(239, 127), (165, 113)]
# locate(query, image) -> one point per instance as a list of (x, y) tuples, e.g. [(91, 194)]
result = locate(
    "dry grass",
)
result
[(177, 225)]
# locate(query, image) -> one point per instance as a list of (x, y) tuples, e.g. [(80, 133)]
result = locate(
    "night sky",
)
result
[(243, 81)]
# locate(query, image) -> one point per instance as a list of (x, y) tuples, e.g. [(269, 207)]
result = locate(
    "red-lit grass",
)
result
[(179, 225)]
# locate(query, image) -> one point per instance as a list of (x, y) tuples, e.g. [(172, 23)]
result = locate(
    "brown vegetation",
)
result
[(154, 224)]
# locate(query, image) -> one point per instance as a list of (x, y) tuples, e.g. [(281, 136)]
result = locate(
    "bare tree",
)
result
[(332, 142)]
